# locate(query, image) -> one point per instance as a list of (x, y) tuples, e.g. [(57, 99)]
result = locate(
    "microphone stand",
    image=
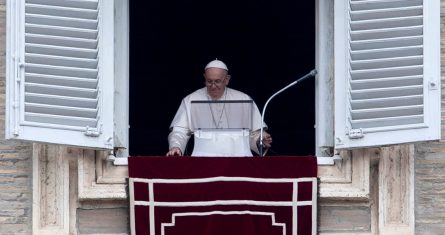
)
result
[(310, 74)]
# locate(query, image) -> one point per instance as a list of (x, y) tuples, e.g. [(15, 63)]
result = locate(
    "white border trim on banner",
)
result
[(152, 203), (174, 215)]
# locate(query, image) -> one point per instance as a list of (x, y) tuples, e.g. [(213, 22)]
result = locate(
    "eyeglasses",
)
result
[(217, 82)]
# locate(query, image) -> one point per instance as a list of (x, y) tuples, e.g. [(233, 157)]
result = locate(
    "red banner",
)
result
[(192, 195)]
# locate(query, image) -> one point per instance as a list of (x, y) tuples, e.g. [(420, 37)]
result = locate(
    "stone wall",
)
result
[(15, 163), (430, 188)]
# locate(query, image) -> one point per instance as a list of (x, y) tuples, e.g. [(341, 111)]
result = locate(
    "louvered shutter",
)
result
[(387, 72), (60, 72)]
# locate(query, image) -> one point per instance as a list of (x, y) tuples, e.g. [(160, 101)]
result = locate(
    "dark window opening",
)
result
[(265, 45)]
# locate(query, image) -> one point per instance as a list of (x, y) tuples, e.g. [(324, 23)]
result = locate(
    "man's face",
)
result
[(216, 81)]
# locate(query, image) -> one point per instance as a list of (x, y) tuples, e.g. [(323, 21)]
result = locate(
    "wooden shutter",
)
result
[(60, 71), (387, 72)]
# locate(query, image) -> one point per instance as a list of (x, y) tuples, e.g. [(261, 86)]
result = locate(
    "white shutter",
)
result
[(387, 72), (60, 71)]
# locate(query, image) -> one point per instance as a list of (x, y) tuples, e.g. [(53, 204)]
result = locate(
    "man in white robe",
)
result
[(216, 80)]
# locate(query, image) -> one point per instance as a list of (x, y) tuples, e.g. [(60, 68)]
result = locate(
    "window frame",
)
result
[(324, 82)]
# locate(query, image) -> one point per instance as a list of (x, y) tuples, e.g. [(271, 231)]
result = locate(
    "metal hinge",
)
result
[(433, 84), (20, 66), (356, 133), (92, 132)]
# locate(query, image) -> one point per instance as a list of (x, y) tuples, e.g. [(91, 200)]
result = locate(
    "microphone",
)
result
[(310, 74)]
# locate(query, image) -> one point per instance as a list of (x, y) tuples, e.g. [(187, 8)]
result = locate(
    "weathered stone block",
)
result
[(343, 218), (112, 221)]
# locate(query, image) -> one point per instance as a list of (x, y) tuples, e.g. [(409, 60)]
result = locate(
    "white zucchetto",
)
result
[(216, 64)]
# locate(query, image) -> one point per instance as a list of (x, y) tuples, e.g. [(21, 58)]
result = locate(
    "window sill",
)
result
[(328, 161)]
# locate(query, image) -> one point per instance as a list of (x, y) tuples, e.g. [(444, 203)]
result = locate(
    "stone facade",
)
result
[(430, 189)]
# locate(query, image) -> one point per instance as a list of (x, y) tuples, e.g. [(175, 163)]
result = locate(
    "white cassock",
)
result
[(181, 128)]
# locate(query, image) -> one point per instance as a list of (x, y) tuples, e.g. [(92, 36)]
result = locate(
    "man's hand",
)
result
[(175, 151), (267, 140)]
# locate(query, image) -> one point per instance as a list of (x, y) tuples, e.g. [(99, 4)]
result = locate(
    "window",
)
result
[(387, 77), (257, 40)]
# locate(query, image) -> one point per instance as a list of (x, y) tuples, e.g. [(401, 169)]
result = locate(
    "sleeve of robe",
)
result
[(180, 130)]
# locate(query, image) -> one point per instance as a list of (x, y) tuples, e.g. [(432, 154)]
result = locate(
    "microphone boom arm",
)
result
[(310, 74)]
